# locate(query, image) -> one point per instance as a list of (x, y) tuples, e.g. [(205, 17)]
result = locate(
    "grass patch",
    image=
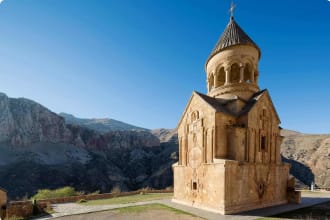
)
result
[(153, 206), (130, 199), (56, 193), (15, 218)]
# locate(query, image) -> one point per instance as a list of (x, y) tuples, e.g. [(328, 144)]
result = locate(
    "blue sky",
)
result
[(138, 61)]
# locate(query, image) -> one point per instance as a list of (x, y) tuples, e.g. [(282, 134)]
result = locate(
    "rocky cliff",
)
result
[(166, 135), (24, 122), (40, 150)]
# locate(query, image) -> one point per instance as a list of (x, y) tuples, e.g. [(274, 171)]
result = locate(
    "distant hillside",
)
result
[(39, 150), (166, 135), (309, 155), (102, 125)]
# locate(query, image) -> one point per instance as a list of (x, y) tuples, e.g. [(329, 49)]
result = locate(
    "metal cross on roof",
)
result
[(232, 9)]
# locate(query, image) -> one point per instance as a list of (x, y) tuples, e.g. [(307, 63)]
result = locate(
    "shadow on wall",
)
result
[(300, 171)]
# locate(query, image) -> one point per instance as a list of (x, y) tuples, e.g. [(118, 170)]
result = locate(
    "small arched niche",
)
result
[(235, 73), (247, 73), (221, 77), (194, 116)]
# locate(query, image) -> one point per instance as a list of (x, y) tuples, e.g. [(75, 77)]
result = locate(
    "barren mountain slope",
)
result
[(166, 135), (101, 125), (39, 150)]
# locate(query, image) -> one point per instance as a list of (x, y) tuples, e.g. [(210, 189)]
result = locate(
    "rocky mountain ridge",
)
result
[(40, 149), (166, 135), (23, 122), (102, 125)]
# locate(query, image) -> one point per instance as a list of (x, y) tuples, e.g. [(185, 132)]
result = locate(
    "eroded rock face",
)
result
[(6, 118), (24, 122), (39, 150), (166, 135), (90, 139)]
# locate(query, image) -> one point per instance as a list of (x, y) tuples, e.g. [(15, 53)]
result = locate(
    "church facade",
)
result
[(229, 139)]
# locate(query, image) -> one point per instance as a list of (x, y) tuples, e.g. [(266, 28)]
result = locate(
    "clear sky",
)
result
[(138, 61)]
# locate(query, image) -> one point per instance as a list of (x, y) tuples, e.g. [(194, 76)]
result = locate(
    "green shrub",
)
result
[(56, 193)]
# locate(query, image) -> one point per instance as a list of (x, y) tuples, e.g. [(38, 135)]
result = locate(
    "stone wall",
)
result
[(3, 197), (251, 186), (3, 202), (19, 209), (227, 186)]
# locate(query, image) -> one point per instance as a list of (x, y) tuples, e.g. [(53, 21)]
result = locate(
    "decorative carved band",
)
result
[(234, 88)]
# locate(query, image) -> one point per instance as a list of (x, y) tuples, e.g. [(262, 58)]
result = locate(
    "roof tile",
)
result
[(232, 35)]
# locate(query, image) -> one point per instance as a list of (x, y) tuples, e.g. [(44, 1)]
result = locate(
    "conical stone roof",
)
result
[(232, 35)]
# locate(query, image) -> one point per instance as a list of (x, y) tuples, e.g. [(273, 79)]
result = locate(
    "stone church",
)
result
[(229, 139)]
